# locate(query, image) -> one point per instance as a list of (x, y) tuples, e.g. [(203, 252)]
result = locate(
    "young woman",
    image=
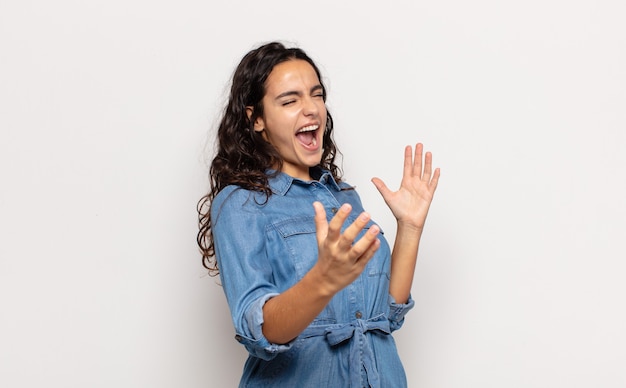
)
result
[(313, 287)]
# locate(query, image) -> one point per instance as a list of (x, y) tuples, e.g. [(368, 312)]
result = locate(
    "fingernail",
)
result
[(364, 217)]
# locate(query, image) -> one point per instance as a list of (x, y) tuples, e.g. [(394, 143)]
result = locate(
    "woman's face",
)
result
[(294, 116)]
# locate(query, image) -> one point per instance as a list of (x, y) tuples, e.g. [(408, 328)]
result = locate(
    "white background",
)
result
[(106, 117)]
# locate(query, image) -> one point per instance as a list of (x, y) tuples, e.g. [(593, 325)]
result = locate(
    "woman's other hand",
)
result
[(411, 202), (342, 259)]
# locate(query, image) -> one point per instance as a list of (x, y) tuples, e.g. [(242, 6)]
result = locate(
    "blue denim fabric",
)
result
[(265, 247)]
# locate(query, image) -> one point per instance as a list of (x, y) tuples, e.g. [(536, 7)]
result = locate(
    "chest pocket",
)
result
[(299, 239)]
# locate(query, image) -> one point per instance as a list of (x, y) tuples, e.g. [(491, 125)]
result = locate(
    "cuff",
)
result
[(254, 340), (397, 311)]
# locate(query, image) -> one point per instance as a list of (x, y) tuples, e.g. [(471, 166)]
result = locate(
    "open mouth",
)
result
[(307, 136)]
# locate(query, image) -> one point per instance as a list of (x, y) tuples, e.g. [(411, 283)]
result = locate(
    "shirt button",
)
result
[(334, 210), (358, 315)]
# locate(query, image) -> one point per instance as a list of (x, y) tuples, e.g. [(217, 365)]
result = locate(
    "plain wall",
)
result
[(107, 112)]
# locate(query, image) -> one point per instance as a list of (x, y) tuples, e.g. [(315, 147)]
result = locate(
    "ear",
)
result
[(259, 124)]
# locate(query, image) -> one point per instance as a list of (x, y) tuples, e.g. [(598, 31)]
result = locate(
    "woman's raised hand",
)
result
[(411, 202)]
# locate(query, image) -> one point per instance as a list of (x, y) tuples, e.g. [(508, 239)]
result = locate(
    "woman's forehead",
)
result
[(293, 74)]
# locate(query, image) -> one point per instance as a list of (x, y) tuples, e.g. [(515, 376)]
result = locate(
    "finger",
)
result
[(428, 166), (334, 227), (353, 230), (435, 181), (408, 162), (321, 224), (369, 253), (367, 245), (382, 188), (417, 163)]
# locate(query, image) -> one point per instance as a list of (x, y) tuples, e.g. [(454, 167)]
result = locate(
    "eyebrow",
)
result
[(297, 93)]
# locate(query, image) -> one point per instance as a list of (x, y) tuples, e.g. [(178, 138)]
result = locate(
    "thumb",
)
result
[(382, 187)]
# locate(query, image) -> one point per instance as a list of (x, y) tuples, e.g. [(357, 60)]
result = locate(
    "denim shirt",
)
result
[(263, 247)]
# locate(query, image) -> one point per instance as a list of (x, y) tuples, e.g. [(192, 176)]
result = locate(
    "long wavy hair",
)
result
[(243, 156)]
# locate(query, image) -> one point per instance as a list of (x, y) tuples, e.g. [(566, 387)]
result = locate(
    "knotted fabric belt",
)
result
[(355, 330)]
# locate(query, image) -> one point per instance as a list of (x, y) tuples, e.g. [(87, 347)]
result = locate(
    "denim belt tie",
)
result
[(336, 334)]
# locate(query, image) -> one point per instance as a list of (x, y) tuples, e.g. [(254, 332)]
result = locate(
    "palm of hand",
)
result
[(411, 202)]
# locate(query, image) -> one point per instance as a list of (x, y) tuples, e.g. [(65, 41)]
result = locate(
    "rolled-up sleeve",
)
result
[(239, 233), (397, 311)]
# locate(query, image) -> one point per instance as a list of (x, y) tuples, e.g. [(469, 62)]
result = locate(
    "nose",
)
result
[(310, 107)]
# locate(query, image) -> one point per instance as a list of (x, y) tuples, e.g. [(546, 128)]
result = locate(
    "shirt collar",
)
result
[(280, 183)]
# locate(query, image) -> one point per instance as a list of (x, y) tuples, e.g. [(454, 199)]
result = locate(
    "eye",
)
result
[(318, 92), (286, 103)]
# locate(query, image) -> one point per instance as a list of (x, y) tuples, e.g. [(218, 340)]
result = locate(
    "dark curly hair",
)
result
[(243, 156)]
